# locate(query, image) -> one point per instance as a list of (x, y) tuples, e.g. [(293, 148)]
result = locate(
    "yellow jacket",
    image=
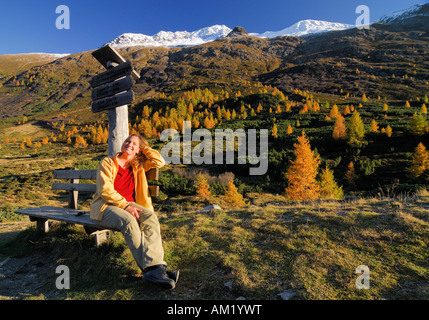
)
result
[(107, 195)]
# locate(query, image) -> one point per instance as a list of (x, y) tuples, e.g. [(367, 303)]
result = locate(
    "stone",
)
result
[(211, 208), (287, 294)]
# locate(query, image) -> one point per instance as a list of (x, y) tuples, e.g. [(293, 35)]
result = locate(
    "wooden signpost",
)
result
[(111, 91)]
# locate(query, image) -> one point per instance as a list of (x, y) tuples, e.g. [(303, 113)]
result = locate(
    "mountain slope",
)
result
[(384, 60), (306, 27), (19, 62), (412, 12)]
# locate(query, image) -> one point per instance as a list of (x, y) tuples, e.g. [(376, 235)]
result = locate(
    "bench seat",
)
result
[(42, 214), (71, 214)]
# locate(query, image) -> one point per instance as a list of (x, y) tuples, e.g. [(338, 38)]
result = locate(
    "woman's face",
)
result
[(131, 146)]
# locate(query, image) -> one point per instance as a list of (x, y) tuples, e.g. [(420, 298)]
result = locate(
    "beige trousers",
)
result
[(143, 237)]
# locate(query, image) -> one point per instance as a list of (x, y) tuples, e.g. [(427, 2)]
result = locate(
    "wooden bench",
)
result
[(71, 214)]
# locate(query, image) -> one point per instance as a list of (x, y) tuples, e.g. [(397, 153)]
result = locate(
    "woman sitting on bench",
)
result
[(122, 201)]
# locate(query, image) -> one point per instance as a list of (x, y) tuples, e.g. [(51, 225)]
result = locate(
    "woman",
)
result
[(122, 201)]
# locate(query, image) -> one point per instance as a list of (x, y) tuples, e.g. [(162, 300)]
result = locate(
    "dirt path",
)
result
[(28, 276)]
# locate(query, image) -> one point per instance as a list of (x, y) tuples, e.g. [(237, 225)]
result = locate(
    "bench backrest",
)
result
[(76, 175)]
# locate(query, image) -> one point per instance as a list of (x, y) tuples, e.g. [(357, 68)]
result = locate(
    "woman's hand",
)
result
[(135, 212)]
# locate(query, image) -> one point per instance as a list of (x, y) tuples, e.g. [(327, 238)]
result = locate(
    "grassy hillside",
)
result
[(310, 251), (17, 63)]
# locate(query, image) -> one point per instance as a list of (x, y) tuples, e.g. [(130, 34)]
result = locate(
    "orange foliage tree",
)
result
[(302, 172), (350, 174), (202, 186), (274, 131), (340, 130), (420, 161), (374, 126), (232, 197), (80, 142)]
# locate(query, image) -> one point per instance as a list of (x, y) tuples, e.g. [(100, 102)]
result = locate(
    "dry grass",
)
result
[(260, 251)]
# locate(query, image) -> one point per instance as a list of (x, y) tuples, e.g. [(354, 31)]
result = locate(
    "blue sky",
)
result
[(29, 25)]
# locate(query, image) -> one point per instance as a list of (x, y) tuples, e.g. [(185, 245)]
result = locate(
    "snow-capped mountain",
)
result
[(172, 39), (185, 38), (416, 10), (299, 29), (306, 27)]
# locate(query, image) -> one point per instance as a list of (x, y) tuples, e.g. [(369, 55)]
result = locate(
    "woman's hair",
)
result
[(139, 158)]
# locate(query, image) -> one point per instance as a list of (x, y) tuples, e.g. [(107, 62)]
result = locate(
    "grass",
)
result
[(312, 249)]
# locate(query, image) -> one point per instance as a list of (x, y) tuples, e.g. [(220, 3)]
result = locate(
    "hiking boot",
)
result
[(173, 274), (158, 275)]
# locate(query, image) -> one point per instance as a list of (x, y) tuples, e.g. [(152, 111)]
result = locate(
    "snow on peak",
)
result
[(306, 27), (416, 10), (172, 39), (43, 54), (204, 35)]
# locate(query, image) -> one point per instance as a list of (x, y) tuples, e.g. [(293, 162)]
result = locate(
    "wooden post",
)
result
[(118, 124), (113, 92), (118, 129), (73, 195)]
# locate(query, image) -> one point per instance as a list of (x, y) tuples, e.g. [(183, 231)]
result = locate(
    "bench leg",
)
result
[(41, 224), (100, 235)]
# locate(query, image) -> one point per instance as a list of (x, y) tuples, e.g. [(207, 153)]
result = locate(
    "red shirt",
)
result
[(124, 183)]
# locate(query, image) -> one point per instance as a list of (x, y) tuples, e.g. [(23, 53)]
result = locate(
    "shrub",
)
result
[(172, 183)]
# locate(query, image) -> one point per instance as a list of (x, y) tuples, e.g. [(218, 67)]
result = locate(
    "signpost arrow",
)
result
[(107, 54), (111, 88), (112, 74), (112, 92), (112, 102)]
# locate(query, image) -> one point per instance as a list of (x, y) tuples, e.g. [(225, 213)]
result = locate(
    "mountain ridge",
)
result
[(324, 63), (216, 32)]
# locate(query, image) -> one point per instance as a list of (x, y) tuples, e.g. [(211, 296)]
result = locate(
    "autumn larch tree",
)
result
[(356, 129), (329, 189), (340, 131), (302, 172), (389, 131), (418, 124), (232, 197), (374, 126), (350, 174), (346, 110), (419, 162), (80, 142), (202, 186), (334, 112), (274, 131)]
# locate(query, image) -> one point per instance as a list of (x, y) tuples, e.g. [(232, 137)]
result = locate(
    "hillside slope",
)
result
[(325, 63)]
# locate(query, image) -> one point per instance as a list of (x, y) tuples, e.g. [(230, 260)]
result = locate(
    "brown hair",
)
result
[(138, 160)]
